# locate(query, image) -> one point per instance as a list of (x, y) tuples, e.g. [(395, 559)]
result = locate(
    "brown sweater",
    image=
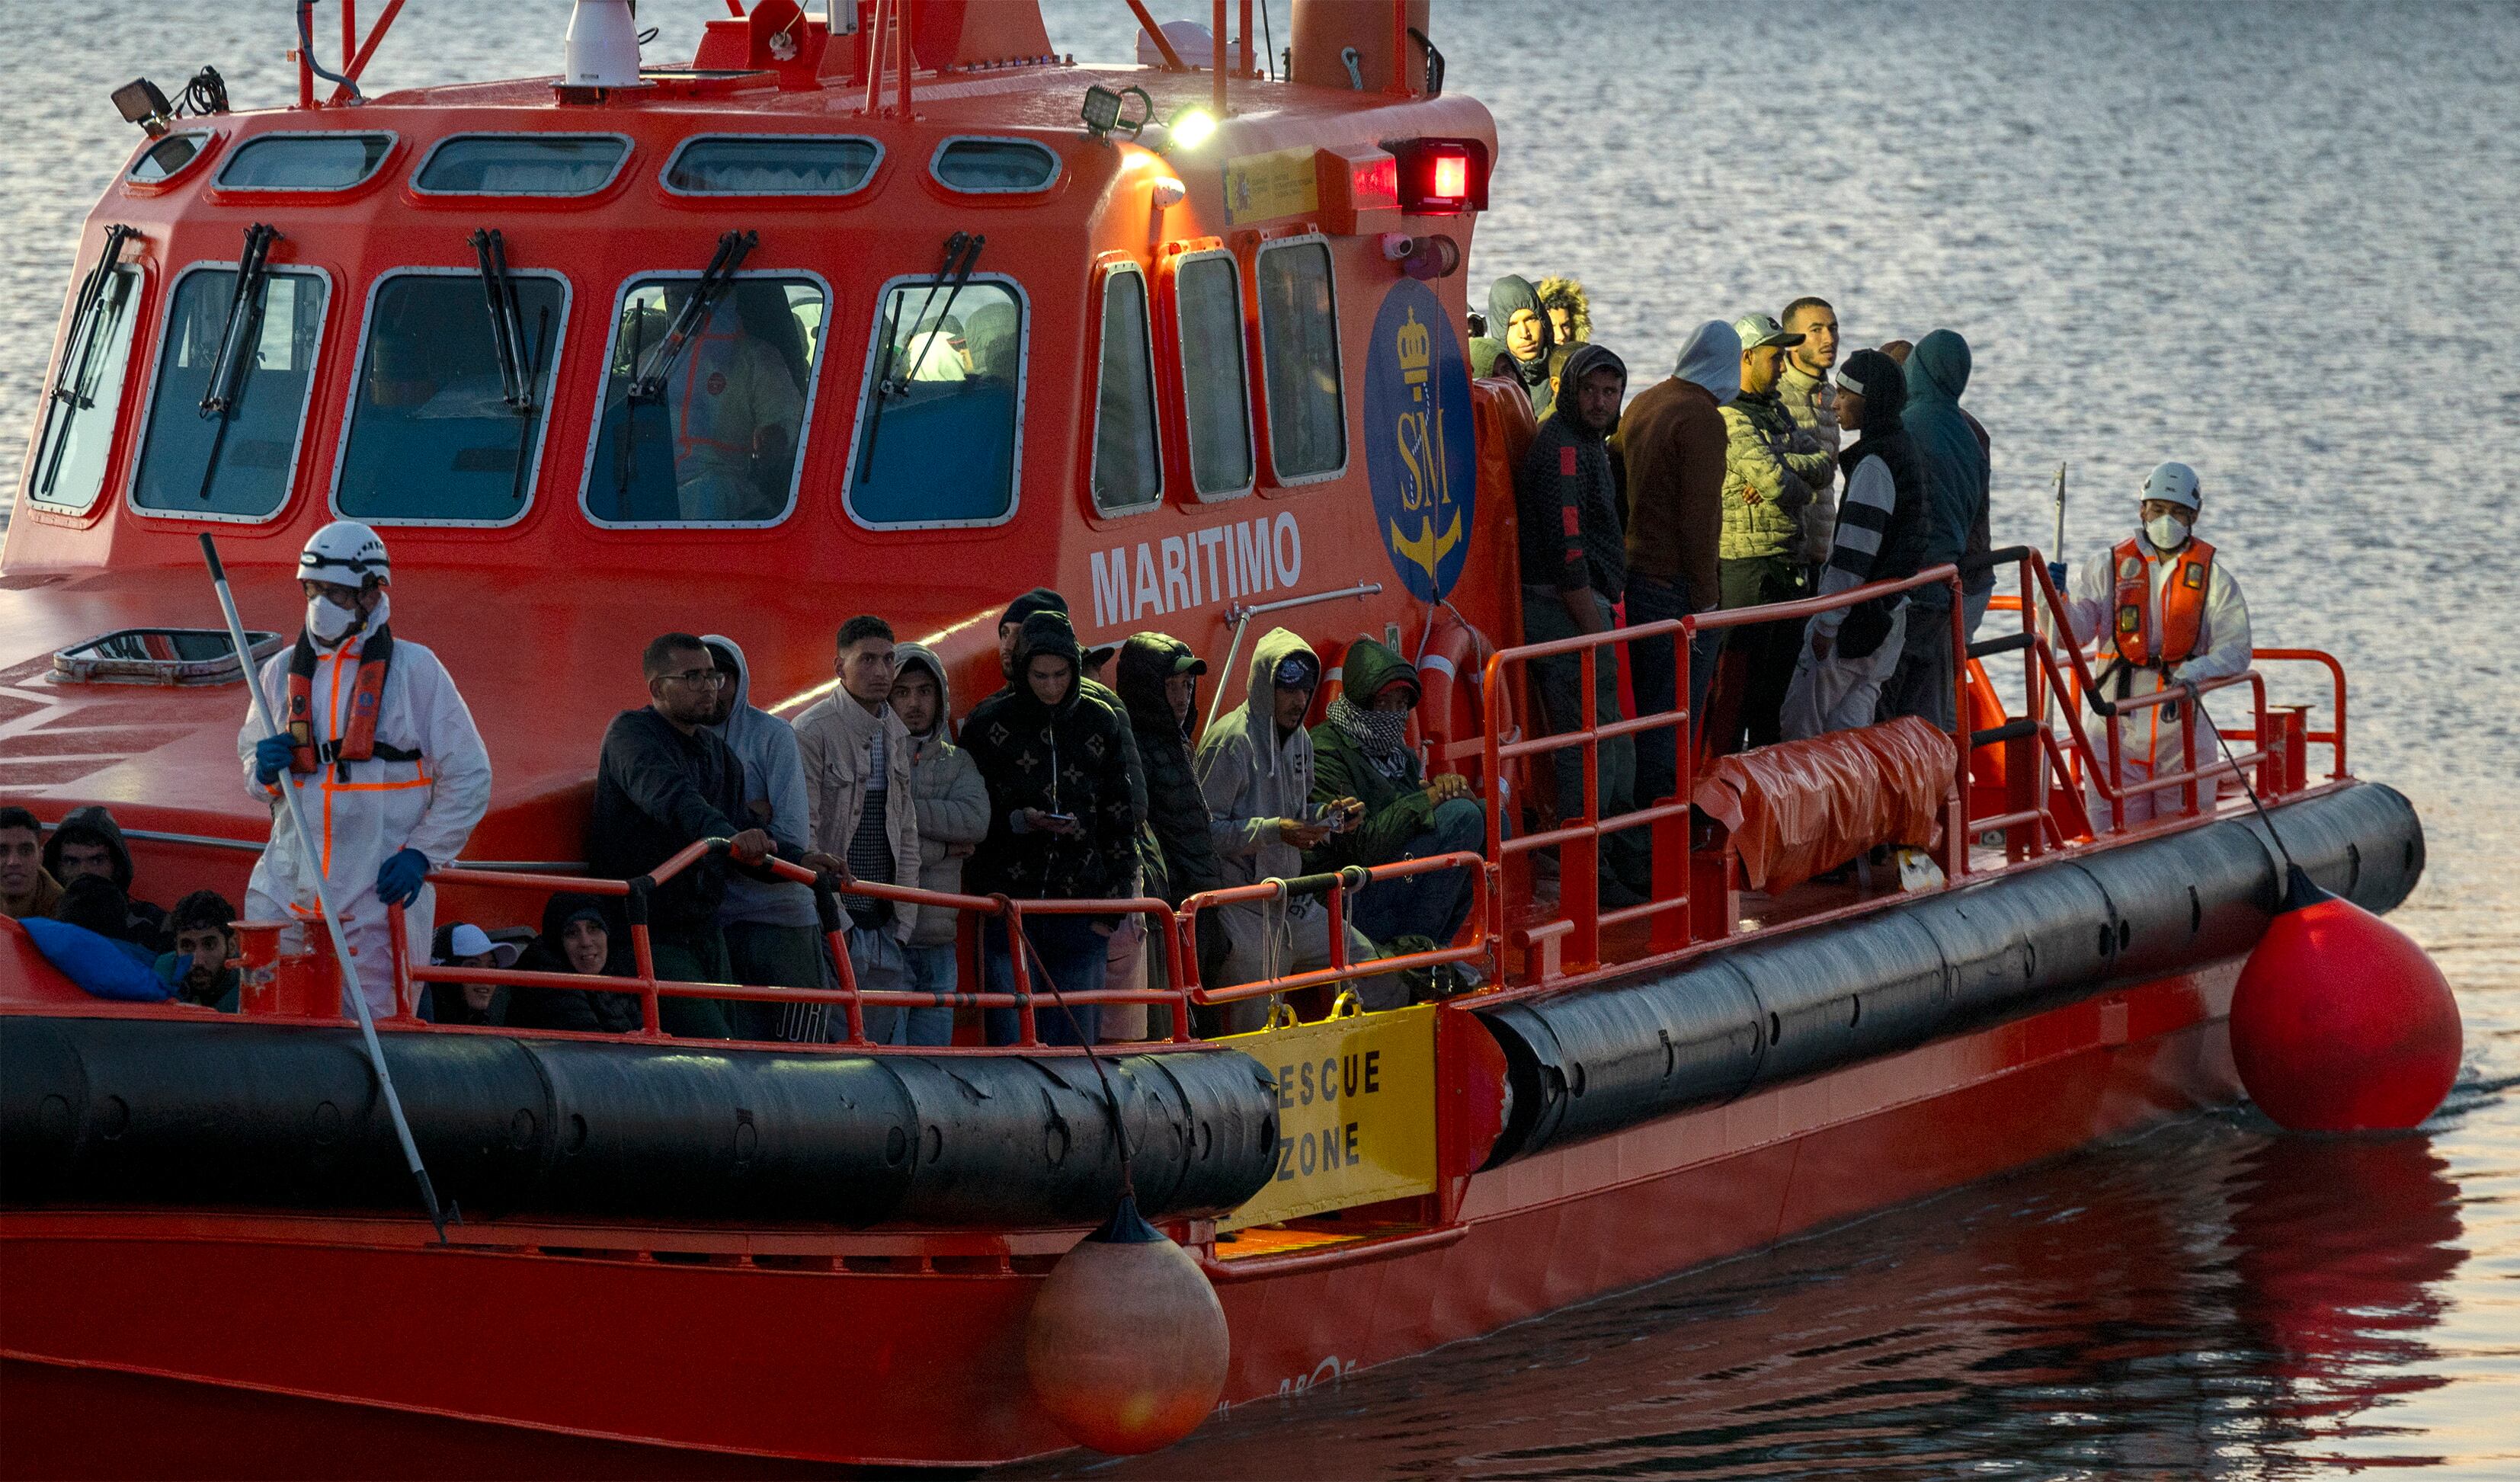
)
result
[(1672, 439), (39, 901)]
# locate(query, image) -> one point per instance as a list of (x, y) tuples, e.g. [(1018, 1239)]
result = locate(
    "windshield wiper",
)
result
[(90, 294), (245, 310), (507, 321), (230, 366), (962, 255), (648, 383), (525, 432)]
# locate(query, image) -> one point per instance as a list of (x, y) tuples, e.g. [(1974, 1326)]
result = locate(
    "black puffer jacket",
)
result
[(1176, 811), (1065, 758)]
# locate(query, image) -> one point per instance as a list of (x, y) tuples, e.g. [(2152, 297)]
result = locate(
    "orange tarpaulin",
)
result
[(1802, 807)]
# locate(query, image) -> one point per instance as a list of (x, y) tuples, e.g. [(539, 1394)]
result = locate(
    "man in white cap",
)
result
[(390, 775), (2164, 613)]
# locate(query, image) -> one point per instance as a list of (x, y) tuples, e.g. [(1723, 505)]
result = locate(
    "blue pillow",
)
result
[(100, 965)]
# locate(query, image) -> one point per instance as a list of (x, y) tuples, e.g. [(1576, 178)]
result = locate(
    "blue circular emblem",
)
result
[(1421, 450)]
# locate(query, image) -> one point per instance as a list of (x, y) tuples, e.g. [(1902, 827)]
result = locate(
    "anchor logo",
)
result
[(1429, 549)]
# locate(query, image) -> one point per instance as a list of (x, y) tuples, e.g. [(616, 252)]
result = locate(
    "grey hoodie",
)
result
[(952, 796), (773, 775), (1251, 779)]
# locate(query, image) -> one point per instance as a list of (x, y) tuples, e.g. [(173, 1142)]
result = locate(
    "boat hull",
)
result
[(275, 1344)]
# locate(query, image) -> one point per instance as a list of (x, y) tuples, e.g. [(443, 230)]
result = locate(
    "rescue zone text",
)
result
[(1356, 1112)]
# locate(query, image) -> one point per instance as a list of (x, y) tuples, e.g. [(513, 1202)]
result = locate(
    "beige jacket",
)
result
[(836, 737)]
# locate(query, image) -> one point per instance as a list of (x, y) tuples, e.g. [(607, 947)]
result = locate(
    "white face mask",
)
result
[(331, 624), (2167, 532)]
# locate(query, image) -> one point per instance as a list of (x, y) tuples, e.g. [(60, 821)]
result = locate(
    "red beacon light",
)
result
[(1441, 177)]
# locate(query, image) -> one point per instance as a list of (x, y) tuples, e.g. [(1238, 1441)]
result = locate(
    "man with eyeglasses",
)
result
[(666, 780)]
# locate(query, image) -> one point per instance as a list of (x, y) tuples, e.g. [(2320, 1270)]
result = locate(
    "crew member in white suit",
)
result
[(389, 773), (2164, 611)]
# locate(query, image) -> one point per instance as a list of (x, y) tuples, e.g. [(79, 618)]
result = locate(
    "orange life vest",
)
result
[(2183, 601), (358, 741)]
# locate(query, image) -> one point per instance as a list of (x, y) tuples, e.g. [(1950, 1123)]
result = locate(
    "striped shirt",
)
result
[(1863, 518)]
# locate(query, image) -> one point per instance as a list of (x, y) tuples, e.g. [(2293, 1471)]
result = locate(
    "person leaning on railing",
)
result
[(662, 784)]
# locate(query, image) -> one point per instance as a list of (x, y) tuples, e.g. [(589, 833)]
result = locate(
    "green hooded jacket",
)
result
[(1396, 809)]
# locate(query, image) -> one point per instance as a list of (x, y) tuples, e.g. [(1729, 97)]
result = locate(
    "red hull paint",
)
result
[(365, 1349)]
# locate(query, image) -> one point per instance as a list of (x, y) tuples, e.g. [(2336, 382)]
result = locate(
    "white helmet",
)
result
[(2175, 482), (346, 554)]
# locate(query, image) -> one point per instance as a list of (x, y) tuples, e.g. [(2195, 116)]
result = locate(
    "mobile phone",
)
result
[(1060, 817)]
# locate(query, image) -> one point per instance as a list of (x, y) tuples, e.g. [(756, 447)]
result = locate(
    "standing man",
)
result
[(861, 794), (1574, 566), (664, 781), (1772, 468), (953, 818), (1812, 402), (2165, 613), (389, 773), (1671, 439), (774, 937), (1159, 676), (1255, 768), (1848, 653), (1060, 827), (1955, 465), (1009, 629)]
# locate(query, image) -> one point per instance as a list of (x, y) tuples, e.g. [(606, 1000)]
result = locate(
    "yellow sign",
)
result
[(1261, 187), (1355, 1113)]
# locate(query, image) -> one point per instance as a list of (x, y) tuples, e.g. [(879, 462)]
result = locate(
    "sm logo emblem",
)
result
[(1420, 453)]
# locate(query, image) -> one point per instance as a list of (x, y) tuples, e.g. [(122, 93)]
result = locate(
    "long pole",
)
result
[(323, 901)]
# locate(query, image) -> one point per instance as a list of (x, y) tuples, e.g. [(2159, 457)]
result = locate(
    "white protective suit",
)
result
[(2149, 739), (729, 387), (430, 805)]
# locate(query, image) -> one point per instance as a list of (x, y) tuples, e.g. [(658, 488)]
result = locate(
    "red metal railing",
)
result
[(1333, 890)]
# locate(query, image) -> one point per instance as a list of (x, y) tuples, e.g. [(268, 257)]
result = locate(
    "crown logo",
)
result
[(1417, 350)]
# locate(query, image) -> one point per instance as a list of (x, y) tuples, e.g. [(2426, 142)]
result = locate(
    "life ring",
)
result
[(1450, 706)]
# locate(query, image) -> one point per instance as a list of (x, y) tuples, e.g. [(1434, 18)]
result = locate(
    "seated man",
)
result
[(88, 841), (1255, 768), (26, 888), (1361, 751), (206, 965)]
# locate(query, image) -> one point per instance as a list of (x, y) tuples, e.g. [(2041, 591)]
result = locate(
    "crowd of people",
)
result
[(1763, 469)]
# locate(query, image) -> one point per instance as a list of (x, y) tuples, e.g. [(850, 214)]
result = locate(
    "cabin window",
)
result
[(167, 157), (1299, 362), (941, 420), (442, 427), (1128, 461), (1207, 293), (233, 465), (77, 431), (991, 166), (711, 434), (304, 161), (522, 164), (776, 165)]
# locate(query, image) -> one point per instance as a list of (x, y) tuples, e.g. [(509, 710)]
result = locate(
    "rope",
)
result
[(1110, 1098), (2242, 773)]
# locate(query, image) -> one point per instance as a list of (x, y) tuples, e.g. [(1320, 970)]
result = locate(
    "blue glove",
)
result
[(2056, 576), (398, 882), (271, 757)]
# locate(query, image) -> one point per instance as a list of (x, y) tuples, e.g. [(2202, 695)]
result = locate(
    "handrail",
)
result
[(1333, 889)]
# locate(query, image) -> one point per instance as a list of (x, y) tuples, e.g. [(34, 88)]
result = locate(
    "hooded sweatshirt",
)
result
[(1672, 439), (1176, 810), (839, 738), (774, 777), (1067, 757), (1252, 777), (952, 802), (585, 1011), (1379, 771), (1955, 463), (1489, 355), (1566, 496), (93, 825)]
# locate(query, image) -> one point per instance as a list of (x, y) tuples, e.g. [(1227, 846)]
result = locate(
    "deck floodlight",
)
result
[(1190, 129), (140, 102), (1103, 112)]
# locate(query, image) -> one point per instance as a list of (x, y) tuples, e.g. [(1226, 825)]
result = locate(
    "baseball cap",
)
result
[(1100, 653), (1187, 662), (1296, 671), (1757, 330), (469, 940)]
